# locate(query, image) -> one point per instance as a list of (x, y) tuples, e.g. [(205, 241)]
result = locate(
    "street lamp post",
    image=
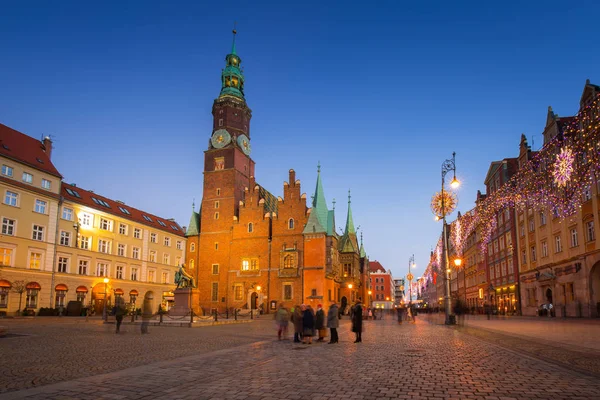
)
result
[(411, 263), (447, 166), (104, 314)]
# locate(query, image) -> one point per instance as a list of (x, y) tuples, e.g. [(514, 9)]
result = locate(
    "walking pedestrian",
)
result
[(146, 314), (297, 321), (282, 317), (320, 323), (357, 312), (333, 322), (413, 311), (308, 324), (400, 312), (120, 311)]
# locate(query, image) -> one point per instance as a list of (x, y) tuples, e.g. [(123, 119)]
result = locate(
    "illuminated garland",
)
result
[(553, 180)]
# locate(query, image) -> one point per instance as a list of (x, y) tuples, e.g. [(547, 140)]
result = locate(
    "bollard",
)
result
[(161, 318), (227, 313), (251, 314), (235, 314), (216, 315)]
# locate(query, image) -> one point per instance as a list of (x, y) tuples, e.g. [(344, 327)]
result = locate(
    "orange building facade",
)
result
[(249, 249)]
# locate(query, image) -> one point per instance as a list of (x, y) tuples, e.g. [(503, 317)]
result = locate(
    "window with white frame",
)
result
[(167, 241), (119, 272), (106, 224), (40, 206), (152, 256), (8, 226), (85, 242), (591, 234), (65, 238), (511, 268), (192, 247), (46, 184), (153, 237), (59, 299), (531, 225), (557, 244), (83, 267), (122, 229), (166, 259), (67, 213), (102, 269), (27, 177), (32, 298), (11, 198), (179, 245), (35, 260), (4, 297), (587, 193), (104, 246), (38, 232), (238, 292), (7, 171), (87, 219), (178, 260), (63, 263), (533, 255), (135, 253), (6, 256), (165, 277), (151, 275), (121, 250), (215, 269), (544, 249), (574, 239), (523, 256), (137, 233), (134, 273)]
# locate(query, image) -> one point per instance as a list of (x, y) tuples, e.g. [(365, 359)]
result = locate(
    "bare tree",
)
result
[(19, 287)]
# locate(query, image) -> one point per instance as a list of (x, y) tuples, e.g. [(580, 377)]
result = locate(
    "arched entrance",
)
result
[(100, 294), (595, 291), (253, 301)]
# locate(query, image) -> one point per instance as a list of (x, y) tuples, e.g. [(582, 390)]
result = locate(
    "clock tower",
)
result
[(228, 170)]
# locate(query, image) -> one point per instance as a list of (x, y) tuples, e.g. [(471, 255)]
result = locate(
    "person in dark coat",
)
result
[(320, 323), (297, 321), (308, 325), (357, 312), (120, 311), (333, 322)]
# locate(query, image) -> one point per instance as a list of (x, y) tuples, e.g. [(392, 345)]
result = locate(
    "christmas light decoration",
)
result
[(443, 205), (563, 167)]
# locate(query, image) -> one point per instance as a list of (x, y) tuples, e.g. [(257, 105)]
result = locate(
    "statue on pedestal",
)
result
[(183, 279)]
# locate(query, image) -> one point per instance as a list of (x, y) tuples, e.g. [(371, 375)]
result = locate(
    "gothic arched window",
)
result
[(291, 223)]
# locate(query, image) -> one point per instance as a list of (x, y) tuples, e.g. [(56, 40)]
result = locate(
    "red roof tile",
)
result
[(375, 266), (25, 149), (85, 197)]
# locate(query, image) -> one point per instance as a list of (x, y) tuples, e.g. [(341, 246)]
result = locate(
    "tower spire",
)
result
[(234, 31), (349, 221)]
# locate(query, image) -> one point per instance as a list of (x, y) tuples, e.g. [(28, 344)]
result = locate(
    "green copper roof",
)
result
[(319, 219), (270, 200), (193, 228), (363, 254), (232, 77), (348, 242)]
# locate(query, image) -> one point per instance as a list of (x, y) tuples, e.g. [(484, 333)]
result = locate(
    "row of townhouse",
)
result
[(60, 243), (535, 261)]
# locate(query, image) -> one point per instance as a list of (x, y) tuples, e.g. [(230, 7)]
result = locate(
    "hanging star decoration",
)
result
[(563, 167), (443, 205)]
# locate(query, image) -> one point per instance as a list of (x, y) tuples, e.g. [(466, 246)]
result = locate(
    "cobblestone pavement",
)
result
[(408, 361)]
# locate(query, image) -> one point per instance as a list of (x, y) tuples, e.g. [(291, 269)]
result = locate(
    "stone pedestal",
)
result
[(183, 299)]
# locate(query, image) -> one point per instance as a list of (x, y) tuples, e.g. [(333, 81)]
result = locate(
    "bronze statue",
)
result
[(183, 279)]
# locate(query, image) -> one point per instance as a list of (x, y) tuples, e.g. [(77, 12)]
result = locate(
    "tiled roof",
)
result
[(375, 266), (271, 202), (98, 202), (25, 149)]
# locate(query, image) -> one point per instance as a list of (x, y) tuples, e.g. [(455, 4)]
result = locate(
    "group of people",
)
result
[(309, 323), (407, 313)]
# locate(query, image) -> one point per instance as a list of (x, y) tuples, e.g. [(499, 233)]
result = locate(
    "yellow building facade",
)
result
[(60, 242)]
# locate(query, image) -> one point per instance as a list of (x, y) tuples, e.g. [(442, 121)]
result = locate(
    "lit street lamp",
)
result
[(410, 276), (104, 315), (447, 166)]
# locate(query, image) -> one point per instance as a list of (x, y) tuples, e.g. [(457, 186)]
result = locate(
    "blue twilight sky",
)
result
[(379, 92)]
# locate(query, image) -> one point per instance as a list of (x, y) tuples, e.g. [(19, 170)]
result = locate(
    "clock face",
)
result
[(220, 138), (244, 143)]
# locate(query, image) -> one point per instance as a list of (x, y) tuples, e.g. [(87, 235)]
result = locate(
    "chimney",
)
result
[(47, 142)]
